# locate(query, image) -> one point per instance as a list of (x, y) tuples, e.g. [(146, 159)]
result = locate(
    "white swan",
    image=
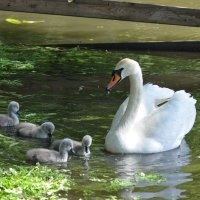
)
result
[(140, 125)]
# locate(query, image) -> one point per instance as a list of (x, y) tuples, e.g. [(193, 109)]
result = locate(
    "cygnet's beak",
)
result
[(86, 149), (50, 137), (18, 112), (114, 80), (72, 151)]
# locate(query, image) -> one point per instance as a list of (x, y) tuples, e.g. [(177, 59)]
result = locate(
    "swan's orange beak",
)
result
[(115, 79)]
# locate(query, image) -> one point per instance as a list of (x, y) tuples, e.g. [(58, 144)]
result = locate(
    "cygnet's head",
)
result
[(66, 145), (124, 68), (86, 142), (48, 128), (13, 107)]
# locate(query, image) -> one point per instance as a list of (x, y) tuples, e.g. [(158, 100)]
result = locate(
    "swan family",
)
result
[(152, 119)]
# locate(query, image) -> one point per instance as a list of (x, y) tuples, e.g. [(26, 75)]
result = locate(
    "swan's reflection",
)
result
[(168, 164)]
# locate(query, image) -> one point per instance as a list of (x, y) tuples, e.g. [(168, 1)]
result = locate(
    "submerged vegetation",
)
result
[(44, 59)]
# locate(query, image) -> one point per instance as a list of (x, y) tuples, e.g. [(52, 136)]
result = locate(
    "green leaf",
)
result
[(13, 21)]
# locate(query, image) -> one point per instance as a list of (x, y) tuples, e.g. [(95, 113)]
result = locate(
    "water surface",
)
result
[(52, 29), (67, 87)]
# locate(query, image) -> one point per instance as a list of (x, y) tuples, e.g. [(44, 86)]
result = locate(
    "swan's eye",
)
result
[(118, 72), (113, 73)]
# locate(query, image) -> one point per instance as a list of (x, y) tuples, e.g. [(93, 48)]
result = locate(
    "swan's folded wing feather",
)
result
[(156, 95), (169, 123)]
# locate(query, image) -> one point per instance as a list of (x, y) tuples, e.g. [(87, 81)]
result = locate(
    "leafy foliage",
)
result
[(39, 182)]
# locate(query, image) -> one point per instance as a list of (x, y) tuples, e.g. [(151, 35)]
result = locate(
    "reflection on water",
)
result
[(167, 164), (67, 88)]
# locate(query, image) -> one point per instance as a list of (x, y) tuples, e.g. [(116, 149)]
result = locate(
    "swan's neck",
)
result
[(136, 85), (41, 133), (64, 156), (14, 117)]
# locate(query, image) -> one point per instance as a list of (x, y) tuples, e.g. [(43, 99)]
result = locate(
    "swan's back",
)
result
[(155, 95), (26, 129), (43, 155), (5, 120)]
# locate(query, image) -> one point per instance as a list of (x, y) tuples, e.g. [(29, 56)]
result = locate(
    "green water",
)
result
[(67, 87), (51, 29), (181, 3)]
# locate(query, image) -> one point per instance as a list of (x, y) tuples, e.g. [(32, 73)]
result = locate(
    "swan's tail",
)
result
[(187, 102), (184, 96)]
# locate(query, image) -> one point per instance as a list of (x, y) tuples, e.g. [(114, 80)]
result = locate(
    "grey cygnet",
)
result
[(43, 131), (79, 148), (42, 155), (10, 119)]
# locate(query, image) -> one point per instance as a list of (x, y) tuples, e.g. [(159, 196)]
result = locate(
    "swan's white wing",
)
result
[(168, 124), (154, 95)]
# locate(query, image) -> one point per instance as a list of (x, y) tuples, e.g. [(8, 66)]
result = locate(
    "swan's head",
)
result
[(66, 145), (13, 107), (86, 142), (124, 68), (48, 128)]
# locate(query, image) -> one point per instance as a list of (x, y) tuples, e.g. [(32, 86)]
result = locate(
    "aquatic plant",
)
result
[(112, 198), (150, 177), (117, 184), (113, 184), (37, 118), (37, 182), (10, 83)]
